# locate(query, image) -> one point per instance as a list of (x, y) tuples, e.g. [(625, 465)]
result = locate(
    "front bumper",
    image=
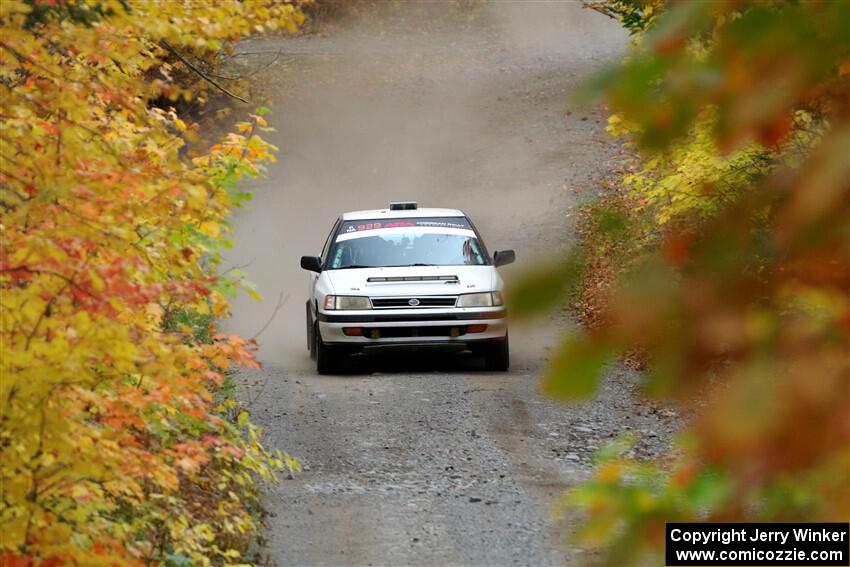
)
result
[(397, 329)]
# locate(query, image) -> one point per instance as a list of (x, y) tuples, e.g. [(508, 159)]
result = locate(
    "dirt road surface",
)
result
[(428, 461)]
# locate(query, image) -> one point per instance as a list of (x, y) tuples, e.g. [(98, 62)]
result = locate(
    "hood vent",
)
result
[(389, 279)]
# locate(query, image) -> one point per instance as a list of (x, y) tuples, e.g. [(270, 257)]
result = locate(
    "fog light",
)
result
[(352, 331), (476, 328), (375, 333), (455, 332)]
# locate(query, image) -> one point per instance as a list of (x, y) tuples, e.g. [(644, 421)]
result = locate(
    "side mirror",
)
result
[(312, 263), (502, 257)]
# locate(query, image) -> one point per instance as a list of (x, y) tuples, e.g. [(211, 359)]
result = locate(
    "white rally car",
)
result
[(405, 278)]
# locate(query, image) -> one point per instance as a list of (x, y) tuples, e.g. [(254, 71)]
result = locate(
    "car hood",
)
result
[(419, 280)]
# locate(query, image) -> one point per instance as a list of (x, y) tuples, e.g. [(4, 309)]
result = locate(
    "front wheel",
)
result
[(498, 356), (311, 332), (327, 357)]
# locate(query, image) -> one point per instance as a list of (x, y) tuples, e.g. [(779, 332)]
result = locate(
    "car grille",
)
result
[(413, 302)]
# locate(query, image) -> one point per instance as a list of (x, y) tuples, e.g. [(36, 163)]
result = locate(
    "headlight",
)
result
[(489, 299), (347, 302)]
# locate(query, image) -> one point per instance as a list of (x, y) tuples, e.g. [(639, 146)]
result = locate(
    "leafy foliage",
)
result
[(113, 447), (740, 292), (635, 15), (694, 177)]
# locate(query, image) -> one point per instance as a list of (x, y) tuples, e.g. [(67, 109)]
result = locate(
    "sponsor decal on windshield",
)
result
[(403, 232), (359, 226)]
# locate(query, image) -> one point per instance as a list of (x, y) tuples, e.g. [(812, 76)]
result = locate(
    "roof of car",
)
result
[(394, 214)]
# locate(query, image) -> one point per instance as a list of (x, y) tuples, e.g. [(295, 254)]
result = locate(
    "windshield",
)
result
[(390, 245)]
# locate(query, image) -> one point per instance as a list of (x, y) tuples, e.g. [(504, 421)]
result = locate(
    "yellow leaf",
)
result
[(210, 228)]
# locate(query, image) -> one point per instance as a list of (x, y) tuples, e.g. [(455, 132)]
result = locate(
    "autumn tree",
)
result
[(738, 292), (116, 444)]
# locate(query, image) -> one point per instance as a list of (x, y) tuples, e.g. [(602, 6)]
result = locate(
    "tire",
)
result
[(327, 357), (498, 356), (310, 332)]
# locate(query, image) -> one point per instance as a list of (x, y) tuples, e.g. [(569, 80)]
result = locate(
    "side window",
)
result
[(328, 240)]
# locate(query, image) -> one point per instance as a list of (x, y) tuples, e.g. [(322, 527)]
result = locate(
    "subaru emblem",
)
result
[(413, 302)]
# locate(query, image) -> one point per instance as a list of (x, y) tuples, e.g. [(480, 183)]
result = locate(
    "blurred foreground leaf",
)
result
[(737, 289), (576, 367), (545, 287)]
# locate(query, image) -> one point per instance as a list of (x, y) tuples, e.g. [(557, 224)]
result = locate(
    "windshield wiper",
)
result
[(355, 266)]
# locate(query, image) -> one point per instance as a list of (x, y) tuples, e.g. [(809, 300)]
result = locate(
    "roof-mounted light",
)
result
[(404, 206)]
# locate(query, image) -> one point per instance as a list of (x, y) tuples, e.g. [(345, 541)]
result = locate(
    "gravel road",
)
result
[(422, 460)]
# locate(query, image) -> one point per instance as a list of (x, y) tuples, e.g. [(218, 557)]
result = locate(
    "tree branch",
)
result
[(168, 47), (280, 301)]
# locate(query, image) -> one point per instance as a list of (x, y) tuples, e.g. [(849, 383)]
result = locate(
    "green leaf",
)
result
[(177, 560), (617, 448), (710, 489), (576, 368), (540, 289)]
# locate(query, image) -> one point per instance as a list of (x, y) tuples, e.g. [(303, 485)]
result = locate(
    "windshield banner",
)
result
[(441, 222), (395, 230)]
